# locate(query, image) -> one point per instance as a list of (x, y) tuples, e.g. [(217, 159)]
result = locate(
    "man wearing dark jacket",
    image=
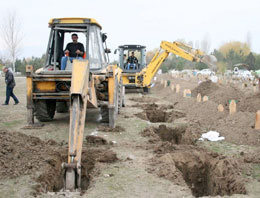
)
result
[(75, 50), (10, 84)]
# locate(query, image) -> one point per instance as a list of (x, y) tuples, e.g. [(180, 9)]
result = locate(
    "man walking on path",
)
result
[(10, 84)]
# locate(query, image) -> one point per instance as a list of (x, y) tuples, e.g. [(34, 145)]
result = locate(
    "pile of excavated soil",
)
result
[(206, 174), (27, 155), (93, 139), (154, 114), (205, 88), (218, 93), (21, 154), (250, 103), (104, 128), (238, 128)]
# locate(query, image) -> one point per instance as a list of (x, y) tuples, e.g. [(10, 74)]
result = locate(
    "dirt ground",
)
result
[(153, 152)]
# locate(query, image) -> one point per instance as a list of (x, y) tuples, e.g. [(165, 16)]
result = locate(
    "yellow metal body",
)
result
[(82, 87), (73, 20), (78, 94), (143, 78)]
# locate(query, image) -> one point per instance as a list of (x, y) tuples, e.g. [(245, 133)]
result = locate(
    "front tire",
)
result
[(45, 110)]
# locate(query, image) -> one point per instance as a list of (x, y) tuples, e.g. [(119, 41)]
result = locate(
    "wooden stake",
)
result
[(254, 89), (199, 97), (205, 98), (172, 87), (232, 107), (184, 93), (177, 88), (220, 108), (257, 120), (165, 83)]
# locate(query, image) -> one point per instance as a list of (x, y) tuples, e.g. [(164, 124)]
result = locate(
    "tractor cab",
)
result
[(89, 34), (125, 53)]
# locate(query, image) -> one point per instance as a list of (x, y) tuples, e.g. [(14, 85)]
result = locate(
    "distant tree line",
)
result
[(20, 64), (228, 55)]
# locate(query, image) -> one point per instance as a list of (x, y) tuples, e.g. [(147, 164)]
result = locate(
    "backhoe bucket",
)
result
[(210, 60)]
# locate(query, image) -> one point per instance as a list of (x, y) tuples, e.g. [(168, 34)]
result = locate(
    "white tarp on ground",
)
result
[(211, 136)]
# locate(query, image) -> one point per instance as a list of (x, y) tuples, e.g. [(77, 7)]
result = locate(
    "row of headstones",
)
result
[(232, 103), (220, 81)]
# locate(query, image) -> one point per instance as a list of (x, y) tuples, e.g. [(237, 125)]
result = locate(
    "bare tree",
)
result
[(12, 35)]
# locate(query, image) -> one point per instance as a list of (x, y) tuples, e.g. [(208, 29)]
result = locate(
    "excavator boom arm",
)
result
[(144, 78)]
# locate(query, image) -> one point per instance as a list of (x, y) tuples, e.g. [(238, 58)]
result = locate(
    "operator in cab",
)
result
[(132, 61), (73, 50)]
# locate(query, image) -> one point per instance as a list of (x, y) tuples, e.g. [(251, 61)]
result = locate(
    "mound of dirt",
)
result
[(204, 88), (96, 140), (218, 93), (27, 155), (109, 129), (21, 154), (250, 103)]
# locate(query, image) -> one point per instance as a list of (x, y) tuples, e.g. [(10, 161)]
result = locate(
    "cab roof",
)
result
[(73, 20), (132, 46)]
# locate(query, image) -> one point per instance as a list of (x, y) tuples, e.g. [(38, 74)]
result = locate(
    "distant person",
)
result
[(74, 50), (10, 84), (132, 61)]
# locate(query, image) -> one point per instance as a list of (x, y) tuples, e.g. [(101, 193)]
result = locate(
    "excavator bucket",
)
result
[(210, 60)]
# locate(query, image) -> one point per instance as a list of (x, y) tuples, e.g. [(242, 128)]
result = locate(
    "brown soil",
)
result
[(153, 106), (218, 93), (96, 140), (205, 173), (144, 99), (250, 103), (109, 129), (205, 88), (174, 135), (155, 114), (27, 155)]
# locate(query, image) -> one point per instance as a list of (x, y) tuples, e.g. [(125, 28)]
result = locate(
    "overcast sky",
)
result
[(145, 22)]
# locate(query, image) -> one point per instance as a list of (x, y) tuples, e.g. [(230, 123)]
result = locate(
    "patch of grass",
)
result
[(12, 123), (256, 171)]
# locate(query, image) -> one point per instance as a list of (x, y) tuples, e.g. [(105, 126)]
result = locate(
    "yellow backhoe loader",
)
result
[(89, 82), (141, 75)]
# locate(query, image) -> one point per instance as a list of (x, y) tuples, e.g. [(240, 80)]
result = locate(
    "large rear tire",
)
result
[(45, 110)]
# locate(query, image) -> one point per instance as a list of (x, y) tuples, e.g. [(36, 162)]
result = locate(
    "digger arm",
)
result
[(79, 99), (144, 78)]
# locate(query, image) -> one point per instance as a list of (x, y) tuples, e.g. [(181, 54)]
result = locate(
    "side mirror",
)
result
[(104, 37), (115, 51), (107, 51)]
